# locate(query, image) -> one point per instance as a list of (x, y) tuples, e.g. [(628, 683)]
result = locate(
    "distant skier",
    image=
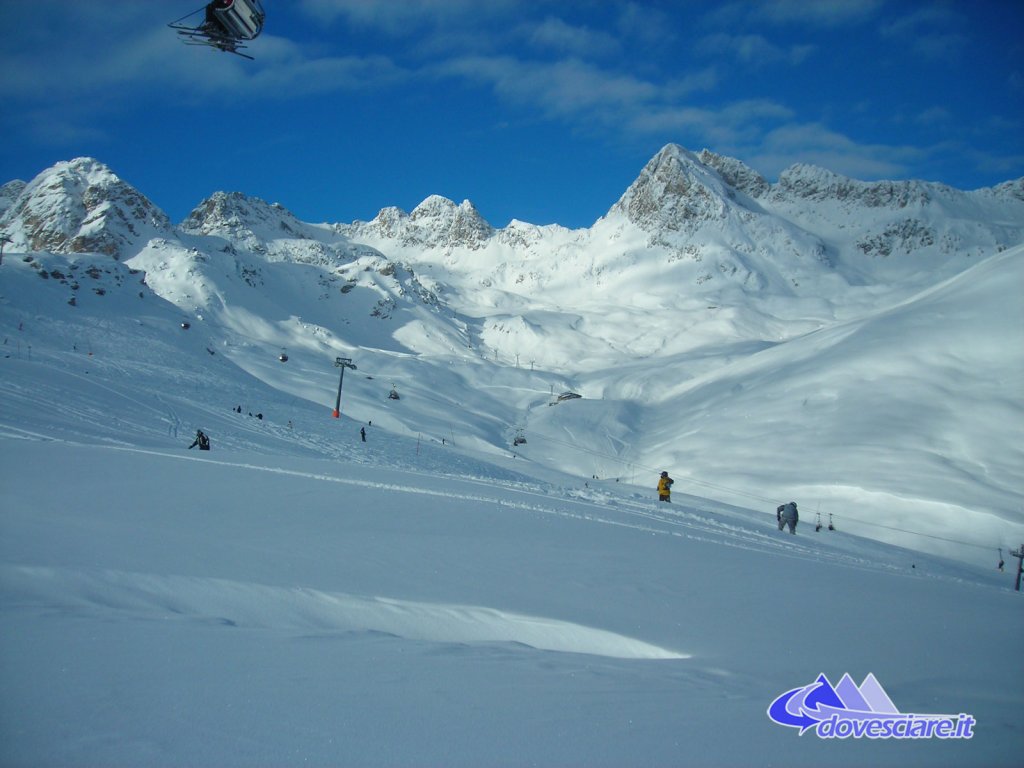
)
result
[(362, 433), (201, 440), (665, 487), (786, 514)]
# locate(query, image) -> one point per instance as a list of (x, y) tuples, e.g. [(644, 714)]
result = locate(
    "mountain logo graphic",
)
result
[(860, 711)]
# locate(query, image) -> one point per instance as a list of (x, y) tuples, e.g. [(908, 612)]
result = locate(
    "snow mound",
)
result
[(257, 606)]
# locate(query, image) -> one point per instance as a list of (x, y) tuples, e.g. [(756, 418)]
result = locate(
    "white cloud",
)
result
[(817, 144), (825, 13), (754, 50), (804, 13), (933, 32), (646, 24), (568, 88), (554, 34), (933, 116), (402, 17)]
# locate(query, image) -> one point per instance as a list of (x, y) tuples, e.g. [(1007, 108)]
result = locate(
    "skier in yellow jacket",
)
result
[(665, 487)]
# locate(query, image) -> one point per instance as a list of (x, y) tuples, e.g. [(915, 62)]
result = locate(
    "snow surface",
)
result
[(296, 596)]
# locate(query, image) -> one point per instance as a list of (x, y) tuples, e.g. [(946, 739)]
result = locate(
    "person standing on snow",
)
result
[(665, 487), (201, 440), (787, 515)]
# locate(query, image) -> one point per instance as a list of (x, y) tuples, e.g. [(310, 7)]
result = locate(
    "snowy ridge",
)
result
[(437, 222)]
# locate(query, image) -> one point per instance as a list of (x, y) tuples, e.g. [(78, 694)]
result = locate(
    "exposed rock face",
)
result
[(437, 222), (237, 216), (674, 192), (81, 207), (9, 193)]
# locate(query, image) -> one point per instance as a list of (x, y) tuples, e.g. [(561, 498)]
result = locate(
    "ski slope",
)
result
[(296, 596)]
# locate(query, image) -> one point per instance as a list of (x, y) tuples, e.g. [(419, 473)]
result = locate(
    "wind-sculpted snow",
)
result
[(153, 597)]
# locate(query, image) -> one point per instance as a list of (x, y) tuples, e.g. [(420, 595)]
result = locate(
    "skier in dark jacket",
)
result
[(787, 515), (201, 440)]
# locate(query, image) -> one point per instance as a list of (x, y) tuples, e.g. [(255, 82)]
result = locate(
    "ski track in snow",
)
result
[(255, 606), (612, 510)]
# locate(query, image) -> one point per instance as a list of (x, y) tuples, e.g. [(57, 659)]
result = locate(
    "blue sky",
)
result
[(538, 110)]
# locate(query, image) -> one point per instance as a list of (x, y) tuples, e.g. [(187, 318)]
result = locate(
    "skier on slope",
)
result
[(665, 487), (201, 440), (786, 514)]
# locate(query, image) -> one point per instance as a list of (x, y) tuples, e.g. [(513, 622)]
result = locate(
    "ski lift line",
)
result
[(917, 533), (725, 488), (767, 500)]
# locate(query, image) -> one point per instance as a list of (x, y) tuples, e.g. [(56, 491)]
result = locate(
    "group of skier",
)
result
[(785, 515)]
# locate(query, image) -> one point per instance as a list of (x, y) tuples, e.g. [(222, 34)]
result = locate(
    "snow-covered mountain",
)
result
[(708, 318), (437, 222), (80, 207)]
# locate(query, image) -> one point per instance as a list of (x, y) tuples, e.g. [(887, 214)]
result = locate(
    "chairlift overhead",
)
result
[(227, 25)]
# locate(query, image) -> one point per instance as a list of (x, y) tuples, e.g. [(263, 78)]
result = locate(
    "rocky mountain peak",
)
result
[(458, 224), (736, 174), (674, 191), (82, 206), (239, 217), (437, 222), (1008, 190)]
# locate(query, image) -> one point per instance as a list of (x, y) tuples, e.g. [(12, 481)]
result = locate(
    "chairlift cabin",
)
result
[(185, 325), (283, 357), (227, 25), (520, 438), (393, 394)]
